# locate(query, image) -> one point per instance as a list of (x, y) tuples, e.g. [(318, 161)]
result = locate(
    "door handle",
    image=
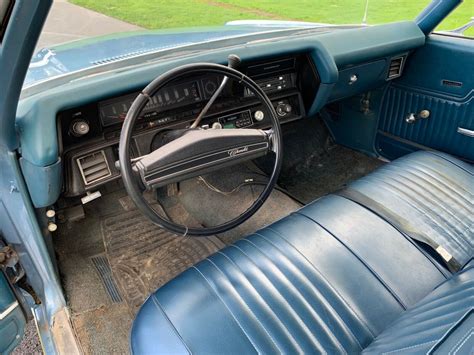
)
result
[(412, 117), (466, 132)]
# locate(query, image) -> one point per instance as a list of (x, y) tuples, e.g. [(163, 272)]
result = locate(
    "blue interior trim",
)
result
[(434, 13), (44, 182), (16, 50)]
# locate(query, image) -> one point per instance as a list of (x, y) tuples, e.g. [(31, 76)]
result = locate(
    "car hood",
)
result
[(63, 59)]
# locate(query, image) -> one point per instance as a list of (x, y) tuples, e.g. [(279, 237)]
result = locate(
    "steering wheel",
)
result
[(197, 151)]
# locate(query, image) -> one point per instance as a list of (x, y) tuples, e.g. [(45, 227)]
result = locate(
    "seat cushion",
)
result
[(429, 193), (442, 322), (306, 283), (330, 277)]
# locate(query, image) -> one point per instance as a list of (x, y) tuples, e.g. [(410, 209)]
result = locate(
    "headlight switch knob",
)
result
[(80, 128)]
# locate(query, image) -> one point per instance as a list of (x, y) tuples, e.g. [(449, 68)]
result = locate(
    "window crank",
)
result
[(412, 118)]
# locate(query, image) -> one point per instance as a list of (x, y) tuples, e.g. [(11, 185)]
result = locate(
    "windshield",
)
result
[(69, 41), (144, 14)]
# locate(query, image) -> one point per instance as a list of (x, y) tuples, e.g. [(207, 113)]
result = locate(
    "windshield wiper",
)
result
[(464, 28)]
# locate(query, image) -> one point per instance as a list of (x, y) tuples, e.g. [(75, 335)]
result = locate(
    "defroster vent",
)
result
[(396, 67), (94, 167)]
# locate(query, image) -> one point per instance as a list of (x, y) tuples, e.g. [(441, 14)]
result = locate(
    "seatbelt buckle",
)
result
[(452, 264)]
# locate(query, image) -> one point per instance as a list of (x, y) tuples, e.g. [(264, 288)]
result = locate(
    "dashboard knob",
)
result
[(80, 128), (259, 115), (353, 78), (283, 109), (216, 125), (210, 87)]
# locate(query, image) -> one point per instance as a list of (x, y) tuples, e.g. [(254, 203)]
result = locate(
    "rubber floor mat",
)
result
[(105, 273), (144, 256)]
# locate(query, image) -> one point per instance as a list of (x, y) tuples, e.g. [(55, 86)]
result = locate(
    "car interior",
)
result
[(311, 191)]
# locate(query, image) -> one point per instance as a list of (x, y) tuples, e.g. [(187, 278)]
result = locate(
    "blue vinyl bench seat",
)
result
[(427, 193), (334, 277)]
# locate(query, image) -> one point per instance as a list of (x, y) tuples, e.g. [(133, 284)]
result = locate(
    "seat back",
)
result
[(443, 322)]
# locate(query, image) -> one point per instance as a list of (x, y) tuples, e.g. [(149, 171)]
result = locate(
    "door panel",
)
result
[(439, 78), (12, 320)]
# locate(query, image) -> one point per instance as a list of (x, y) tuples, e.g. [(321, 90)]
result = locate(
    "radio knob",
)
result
[(283, 109), (80, 128), (216, 125), (210, 87), (259, 115)]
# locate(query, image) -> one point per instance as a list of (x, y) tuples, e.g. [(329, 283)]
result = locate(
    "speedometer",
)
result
[(114, 111)]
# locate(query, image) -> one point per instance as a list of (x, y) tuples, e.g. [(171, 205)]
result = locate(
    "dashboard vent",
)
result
[(94, 167), (396, 66)]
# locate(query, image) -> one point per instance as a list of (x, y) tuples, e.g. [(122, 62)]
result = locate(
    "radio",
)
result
[(273, 76), (274, 84), (236, 120)]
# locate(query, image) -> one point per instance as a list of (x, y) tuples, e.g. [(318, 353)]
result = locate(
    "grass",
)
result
[(159, 14)]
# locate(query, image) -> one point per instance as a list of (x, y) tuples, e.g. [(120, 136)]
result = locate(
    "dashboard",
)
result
[(89, 135), (329, 66)]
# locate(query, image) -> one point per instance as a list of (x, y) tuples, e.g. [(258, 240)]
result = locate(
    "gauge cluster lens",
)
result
[(113, 111)]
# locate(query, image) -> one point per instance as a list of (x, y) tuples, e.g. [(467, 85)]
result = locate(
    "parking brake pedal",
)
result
[(90, 197)]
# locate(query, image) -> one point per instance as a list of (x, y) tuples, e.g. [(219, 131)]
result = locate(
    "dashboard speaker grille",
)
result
[(396, 66), (94, 167)]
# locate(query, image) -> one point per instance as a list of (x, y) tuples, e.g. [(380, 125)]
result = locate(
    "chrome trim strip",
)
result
[(466, 132), (10, 309)]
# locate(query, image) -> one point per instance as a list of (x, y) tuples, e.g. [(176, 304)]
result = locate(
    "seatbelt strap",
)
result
[(400, 225)]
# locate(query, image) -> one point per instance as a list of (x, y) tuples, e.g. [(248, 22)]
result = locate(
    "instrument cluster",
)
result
[(114, 111)]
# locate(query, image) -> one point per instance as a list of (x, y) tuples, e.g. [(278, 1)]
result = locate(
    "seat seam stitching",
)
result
[(371, 270), (438, 267), (440, 302), (412, 202), (416, 169), (298, 318), (433, 199), (228, 309), (324, 280), (456, 231), (468, 288), (296, 290), (363, 322), (409, 347), (451, 233), (462, 341), (450, 161), (264, 301), (431, 305), (429, 199), (406, 331), (444, 179), (336, 314), (158, 305), (435, 174)]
